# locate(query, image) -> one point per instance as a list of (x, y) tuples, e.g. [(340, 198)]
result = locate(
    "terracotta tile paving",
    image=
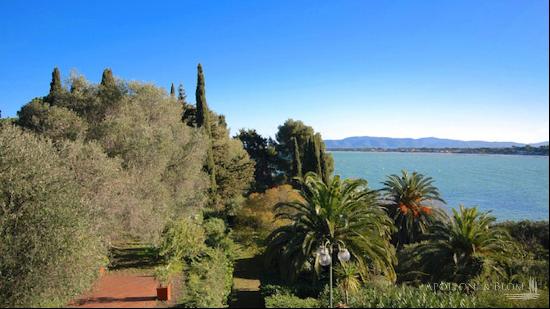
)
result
[(120, 290)]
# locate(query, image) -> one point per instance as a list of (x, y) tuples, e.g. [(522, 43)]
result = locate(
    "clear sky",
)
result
[(452, 69)]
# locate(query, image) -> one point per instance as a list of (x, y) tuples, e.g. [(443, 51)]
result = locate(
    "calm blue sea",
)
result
[(512, 187)]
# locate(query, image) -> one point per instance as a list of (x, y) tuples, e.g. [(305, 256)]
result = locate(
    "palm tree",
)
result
[(409, 201), (340, 212), (459, 250)]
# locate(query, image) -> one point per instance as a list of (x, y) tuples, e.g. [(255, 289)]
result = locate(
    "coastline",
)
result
[(539, 152)]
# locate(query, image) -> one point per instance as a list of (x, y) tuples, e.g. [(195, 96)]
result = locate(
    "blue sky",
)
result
[(453, 69)]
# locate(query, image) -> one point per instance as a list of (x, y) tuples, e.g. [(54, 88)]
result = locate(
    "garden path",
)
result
[(246, 284), (129, 283), (121, 290)]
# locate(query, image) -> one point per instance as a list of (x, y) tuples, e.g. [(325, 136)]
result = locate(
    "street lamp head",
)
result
[(325, 259), (344, 255)]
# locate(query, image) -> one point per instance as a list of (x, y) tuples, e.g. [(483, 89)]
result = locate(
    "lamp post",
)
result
[(325, 259)]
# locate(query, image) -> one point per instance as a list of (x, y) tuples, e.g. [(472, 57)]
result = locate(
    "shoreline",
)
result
[(439, 151)]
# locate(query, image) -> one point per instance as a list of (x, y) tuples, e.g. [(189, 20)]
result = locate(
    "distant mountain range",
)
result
[(427, 142)]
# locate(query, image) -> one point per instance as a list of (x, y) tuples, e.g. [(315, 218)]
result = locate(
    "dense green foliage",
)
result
[(159, 158), (533, 235), (204, 250), (230, 168), (290, 301), (264, 154), (460, 250), (203, 121), (297, 168), (311, 149), (209, 280), (50, 246), (341, 212), (296, 151)]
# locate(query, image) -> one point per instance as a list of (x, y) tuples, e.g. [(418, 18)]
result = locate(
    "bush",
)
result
[(257, 211), (49, 247), (533, 235), (205, 251), (290, 301), (217, 236), (209, 279), (215, 231), (183, 239), (302, 288), (274, 289)]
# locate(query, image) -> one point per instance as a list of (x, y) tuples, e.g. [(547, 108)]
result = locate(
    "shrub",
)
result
[(183, 239), (209, 279), (205, 252), (49, 249), (290, 301), (533, 235), (303, 288), (529, 231), (217, 236), (257, 211), (274, 289), (215, 231)]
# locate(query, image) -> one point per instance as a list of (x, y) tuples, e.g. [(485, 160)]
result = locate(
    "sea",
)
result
[(511, 187)]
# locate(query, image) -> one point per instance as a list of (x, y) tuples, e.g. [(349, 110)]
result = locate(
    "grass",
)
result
[(133, 257), (246, 275)]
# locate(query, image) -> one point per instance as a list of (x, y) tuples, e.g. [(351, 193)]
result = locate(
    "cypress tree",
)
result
[(172, 91), (317, 155), (311, 156), (107, 79), (56, 88), (182, 96), (325, 172), (203, 120), (202, 107), (296, 160)]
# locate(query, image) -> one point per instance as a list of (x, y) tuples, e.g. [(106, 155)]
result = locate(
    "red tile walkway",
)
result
[(120, 290)]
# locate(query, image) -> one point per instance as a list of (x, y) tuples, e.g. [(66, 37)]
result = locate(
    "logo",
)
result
[(532, 294)]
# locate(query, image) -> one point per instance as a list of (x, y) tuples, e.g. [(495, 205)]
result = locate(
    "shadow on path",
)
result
[(246, 284)]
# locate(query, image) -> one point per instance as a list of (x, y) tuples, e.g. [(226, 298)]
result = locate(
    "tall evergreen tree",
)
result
[(55, 84), (296, 160), (182, 96), (203, 121), (56, 87), (202, 106), (316, 155), (107, 79), (323, 158), (172, 91), (312, 162)]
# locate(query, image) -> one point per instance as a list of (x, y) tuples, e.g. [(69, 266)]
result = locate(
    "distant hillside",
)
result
[(427, 142), (539, 144)]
